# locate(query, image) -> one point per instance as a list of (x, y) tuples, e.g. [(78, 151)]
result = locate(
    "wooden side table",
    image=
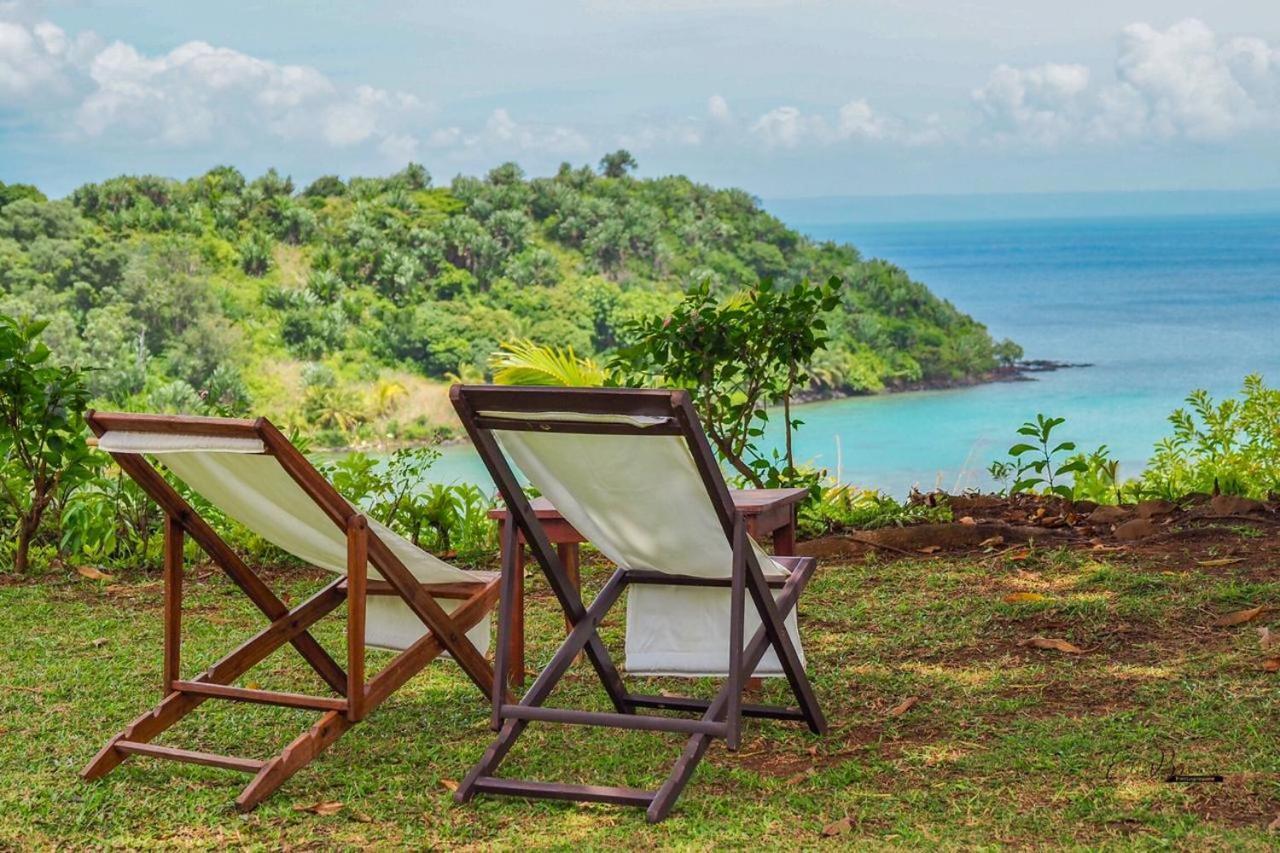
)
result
[(769, 513)]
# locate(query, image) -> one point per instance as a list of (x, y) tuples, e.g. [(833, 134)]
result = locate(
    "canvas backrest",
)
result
[(239, 476), (627, 480)]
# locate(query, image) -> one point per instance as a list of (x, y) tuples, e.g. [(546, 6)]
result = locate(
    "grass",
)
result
[(1006, 745)]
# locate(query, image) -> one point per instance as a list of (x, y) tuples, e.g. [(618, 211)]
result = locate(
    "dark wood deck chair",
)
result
[(633, 472), (414, 603)]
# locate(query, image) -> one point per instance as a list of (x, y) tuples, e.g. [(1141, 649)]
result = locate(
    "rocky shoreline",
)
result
[(1021, 371)]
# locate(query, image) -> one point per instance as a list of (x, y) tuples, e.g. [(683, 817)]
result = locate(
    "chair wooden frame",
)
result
[(356, 695), (719, 718)]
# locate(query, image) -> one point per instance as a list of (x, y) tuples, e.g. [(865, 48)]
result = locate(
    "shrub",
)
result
[(42, 447)]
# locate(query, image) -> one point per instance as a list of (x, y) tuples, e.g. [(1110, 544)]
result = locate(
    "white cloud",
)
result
[(503, 132), (858, 121), (194, 95), (399, 148), (36, 60), (788, 127), (1195, 86), (718, 109), (197, 94), (1042, 103), (855, 121), (1181, 83)]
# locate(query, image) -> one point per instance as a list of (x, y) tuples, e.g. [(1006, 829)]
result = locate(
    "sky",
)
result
[(805, 98)]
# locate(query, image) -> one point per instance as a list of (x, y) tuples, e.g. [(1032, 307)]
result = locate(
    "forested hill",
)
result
[(334, 304)]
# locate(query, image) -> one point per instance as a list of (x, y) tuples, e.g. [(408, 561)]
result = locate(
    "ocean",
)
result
[(1157, 305)]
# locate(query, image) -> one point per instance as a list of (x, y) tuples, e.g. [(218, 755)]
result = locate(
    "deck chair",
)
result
[(633, 472), (414, 603)]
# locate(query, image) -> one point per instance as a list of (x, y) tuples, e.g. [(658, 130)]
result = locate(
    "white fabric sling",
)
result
[(238, 477), (641, 501)]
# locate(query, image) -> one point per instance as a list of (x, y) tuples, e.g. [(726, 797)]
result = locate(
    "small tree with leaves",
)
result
[(42, 447), (617, 164), (736, 356)]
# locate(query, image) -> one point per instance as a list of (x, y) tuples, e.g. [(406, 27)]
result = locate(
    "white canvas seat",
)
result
[(249, 486)]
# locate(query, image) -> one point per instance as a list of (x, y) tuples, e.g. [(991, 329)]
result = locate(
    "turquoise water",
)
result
[(1159, 306)]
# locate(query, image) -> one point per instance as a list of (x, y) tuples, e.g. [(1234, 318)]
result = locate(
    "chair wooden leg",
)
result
[(665, 799), (172, 602), (176, 705), (515, 642), (546, 681), (300, 753)]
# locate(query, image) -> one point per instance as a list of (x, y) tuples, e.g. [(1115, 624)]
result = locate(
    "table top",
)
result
[(748, 501)]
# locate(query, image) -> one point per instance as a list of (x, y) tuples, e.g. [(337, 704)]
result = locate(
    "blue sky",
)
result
[(802, 98)]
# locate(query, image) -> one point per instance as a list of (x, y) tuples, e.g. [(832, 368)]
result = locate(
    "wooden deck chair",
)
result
[(633, 472), (247, 469)]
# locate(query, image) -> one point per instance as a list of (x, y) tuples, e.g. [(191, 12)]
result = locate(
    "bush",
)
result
[(43, 454)]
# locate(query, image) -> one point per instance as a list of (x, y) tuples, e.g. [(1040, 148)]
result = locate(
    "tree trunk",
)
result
[(786, 414), (21, 556), (738, 465)]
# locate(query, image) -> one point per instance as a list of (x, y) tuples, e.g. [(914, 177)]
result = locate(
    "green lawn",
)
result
[(1006, 744)]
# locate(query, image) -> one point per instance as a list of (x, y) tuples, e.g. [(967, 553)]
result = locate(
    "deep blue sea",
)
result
[(1158, 305)]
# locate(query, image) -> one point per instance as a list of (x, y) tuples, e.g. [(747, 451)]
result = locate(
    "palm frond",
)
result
[(522, 362)]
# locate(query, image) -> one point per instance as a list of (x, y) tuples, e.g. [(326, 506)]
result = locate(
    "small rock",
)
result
[(1108, 515), (1153, 509), (1138, 528), (1234, 505)]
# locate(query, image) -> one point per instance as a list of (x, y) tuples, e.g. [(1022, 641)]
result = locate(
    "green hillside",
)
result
[(338, 307)]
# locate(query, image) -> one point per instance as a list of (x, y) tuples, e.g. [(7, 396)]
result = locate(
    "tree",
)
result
[(736, 356), (42, 449), (17, 192), (617, 164), (325, 185)]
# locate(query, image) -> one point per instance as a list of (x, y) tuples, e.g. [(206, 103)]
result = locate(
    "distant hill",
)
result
[(334, 307)]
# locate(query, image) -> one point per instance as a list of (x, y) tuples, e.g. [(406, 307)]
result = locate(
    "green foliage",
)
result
[(846, 507), (160, 282), (255, 254), (1097, 478), (451, 520), (522, 362), (1232, 446), (18, 192), (1229, 447), (42, 450), (736, 356), (1037, 465), (617, 164)]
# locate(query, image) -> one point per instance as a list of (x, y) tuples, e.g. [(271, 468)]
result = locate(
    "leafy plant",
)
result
[(846, 507), (1097, 477), (1034, 464), (736, 356), (522, 362), (1232, 446), (42, 446), (448, 519)]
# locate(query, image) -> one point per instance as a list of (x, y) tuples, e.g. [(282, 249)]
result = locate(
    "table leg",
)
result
[(784, 538), (569, 558), (515, 642)]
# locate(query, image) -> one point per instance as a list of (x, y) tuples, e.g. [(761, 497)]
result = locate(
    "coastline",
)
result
[(1021, 371)]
